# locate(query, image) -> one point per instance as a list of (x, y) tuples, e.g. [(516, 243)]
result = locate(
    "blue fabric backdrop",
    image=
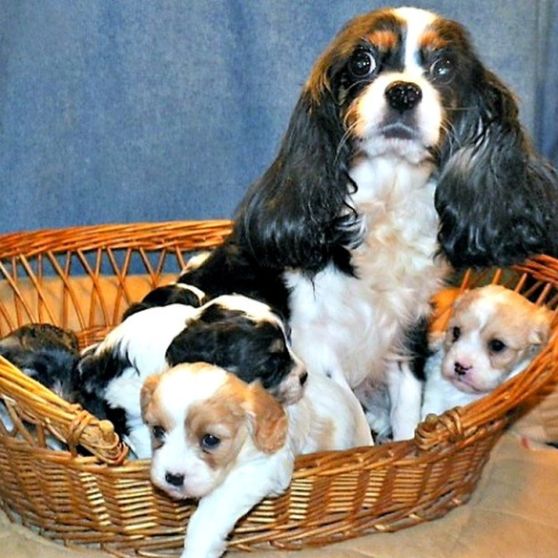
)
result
[(118, 111)]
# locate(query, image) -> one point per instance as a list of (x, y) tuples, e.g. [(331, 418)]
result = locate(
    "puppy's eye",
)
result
[(455, 333), (496, 346), (362, 64), (442, 69), (158, 433), (209, 442)]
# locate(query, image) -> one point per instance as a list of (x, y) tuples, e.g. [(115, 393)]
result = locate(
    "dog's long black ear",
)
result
[(294, 216), (497, 200)]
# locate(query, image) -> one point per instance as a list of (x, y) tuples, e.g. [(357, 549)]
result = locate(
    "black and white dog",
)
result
[(241, 335), (404, 157)]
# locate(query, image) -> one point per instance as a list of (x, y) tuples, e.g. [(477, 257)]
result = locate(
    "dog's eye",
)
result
[(158, 433), (455, 333), (209, 442), (442, 69), (362, 64), (496, 346)]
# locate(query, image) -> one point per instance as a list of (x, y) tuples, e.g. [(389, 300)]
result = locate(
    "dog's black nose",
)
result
[(460, 370), (303, 377), (403, 95), (174, 480)]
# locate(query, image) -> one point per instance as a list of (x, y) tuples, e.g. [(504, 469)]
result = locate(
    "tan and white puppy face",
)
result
[(398, 76), (492, 333), (203, 422)]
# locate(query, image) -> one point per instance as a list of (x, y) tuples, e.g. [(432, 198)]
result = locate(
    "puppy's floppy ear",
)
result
[(147, 390), (540, 333), (293, 216), (268, 418), (497, 200)]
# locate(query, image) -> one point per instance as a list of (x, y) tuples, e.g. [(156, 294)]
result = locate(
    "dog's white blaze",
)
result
[(178, 387), (417, 21)]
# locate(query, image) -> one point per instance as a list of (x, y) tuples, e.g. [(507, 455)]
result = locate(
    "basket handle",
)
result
[(69, 423)]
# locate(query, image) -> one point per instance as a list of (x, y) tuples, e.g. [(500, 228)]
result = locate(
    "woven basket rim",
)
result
[(430, 433)]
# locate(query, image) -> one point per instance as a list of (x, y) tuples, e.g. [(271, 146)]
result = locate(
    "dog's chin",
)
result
[(399, 141), (466, 386), (182, 493), (398, 130)]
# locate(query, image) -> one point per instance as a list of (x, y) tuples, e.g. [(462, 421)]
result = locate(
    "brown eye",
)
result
[(442, 69), (455, 333), (362, 64), (496, 346), (158, 433), (209, 442)]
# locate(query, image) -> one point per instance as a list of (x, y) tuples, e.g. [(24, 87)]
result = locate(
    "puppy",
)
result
[(404, 157), (46, 353), (242, 335), (493, 334), (230, 444)]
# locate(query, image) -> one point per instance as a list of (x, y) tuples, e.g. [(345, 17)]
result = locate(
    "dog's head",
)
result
[(46, 353), (204, 421), (246, 338), (492, 333), (405, 85)]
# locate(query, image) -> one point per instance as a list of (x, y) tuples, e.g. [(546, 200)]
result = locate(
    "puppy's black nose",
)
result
[(174, 480), (460, 370), (303, 377), (403, 95)]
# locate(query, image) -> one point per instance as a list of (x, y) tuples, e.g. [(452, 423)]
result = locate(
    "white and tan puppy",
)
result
[(230, 444), (493, 333)]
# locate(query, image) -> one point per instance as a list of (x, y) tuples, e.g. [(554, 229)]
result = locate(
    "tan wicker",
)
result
[(83, 278)]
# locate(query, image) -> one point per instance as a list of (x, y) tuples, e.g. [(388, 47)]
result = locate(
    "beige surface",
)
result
[(512, 514)]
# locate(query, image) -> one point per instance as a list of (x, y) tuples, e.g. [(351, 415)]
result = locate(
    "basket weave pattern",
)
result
[(83, 279)]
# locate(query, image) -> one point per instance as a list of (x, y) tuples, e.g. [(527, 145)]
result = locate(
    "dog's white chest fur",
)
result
[(347, 327)]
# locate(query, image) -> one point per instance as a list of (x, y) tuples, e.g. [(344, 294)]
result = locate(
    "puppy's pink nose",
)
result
[(460, 369), (174, 479)]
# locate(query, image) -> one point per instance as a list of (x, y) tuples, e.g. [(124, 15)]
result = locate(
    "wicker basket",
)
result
[(82, 279)]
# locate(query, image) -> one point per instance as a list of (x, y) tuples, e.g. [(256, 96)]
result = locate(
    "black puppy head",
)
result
[(251, 349)]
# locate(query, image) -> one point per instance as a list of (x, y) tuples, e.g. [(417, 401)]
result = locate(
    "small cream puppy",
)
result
[(230, 444), (493, 333)]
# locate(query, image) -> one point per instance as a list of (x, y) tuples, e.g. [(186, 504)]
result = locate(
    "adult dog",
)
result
[(404, 157)]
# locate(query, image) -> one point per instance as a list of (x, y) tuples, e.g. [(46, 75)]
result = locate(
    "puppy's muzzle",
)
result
[(460, 369), (291, 389)]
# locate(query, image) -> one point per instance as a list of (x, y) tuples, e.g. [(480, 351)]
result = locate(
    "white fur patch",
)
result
[(417, 22)]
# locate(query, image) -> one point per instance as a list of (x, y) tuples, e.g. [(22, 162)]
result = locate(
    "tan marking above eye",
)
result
[(383, 40), (432, 40)]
